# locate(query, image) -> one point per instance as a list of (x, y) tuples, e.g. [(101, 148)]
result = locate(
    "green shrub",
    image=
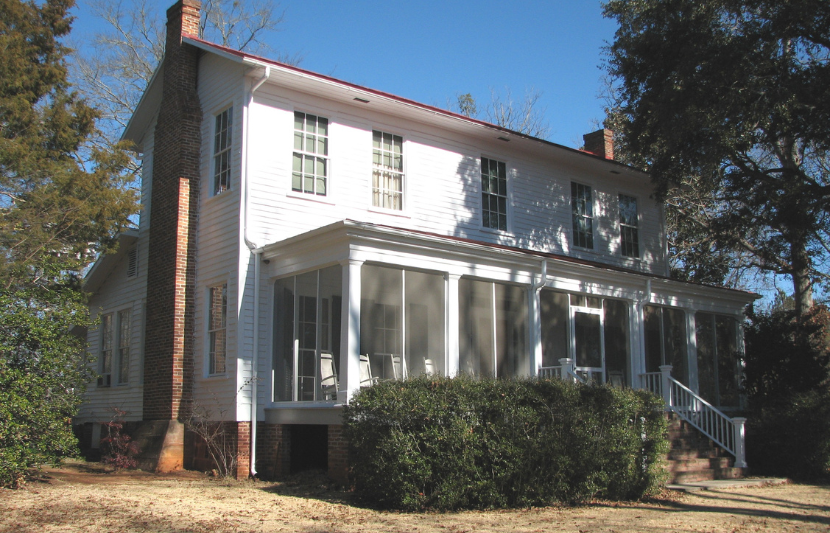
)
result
[(791, 438), (788, 388), (461, 443)]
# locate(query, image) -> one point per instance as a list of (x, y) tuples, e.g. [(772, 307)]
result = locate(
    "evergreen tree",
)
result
[(61, 204), (727, 104)]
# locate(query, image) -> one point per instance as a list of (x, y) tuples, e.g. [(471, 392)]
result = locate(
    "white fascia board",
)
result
[(146, 109), (562, 273), (99, 270)]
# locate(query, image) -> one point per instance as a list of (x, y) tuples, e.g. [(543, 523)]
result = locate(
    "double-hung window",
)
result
[(387, 170), (582, 208), (222, 142), (105, 359), (311, 151), (217, 325), (123, 346), (494, 194), (629, 236)]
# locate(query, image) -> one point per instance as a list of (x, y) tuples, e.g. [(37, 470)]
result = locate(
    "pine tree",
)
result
[(61, 203)]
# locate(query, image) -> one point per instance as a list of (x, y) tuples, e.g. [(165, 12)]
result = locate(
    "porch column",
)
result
[(691, 349), (637, 363), (534, 295), (451, 318), (350, 331)]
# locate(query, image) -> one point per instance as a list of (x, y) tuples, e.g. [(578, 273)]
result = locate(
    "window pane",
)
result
[(554, 314), (616, 341), (283, 339), (512, 356), (587, 336), (476, 343)]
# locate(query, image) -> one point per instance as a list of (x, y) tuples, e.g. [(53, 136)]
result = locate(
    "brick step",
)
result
[(708, 475), (692, 465), (684, 454)]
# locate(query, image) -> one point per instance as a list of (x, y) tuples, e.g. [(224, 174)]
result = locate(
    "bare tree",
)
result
[(523, 116), (114, 68)]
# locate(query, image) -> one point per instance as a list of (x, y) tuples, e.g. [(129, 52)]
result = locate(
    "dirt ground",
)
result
[(86, 497)]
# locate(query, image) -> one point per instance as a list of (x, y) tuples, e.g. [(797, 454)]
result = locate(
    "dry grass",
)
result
[(87, 497)]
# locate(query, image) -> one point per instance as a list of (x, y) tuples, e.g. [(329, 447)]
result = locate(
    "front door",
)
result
[(588, 343)]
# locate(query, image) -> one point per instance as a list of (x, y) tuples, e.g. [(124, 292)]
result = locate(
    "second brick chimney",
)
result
[(600, 142)]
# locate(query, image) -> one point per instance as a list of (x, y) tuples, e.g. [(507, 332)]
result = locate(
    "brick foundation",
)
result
[(338, 455)]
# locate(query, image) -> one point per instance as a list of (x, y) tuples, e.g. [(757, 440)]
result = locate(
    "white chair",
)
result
[(328, 376), (366, 379), (429, 367)]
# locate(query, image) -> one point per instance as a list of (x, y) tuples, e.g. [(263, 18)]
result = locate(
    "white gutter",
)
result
[(257, 260)]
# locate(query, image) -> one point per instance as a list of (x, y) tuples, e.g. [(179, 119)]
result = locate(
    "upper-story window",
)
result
[(582, 208), (629, 235), (494, 194), (387, 170), (217, 326), (222, 141), (311, 151)]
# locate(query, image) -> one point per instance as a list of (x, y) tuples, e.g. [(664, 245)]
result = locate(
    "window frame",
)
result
[(575, 231), (305, 154), (623, 226), (505, 196), (105, 350), (402, 172), (210, 359), (122, 349), (223, 154)]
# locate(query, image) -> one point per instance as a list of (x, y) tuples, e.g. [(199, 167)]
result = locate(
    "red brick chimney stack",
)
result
[(171, 269), (600, 142)]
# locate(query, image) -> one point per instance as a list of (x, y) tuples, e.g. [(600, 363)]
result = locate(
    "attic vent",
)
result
[(132, 263)]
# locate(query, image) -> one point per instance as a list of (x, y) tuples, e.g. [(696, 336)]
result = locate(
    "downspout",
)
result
[(537, 286), (257, 260)]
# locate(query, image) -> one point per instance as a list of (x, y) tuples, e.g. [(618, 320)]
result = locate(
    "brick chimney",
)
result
[(174, 203), (600, 142)]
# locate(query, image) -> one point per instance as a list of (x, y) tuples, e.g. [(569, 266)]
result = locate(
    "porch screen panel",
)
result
[(512, 355), (728, 360), (554, 312), (307, 318), (283, 339), (331, 301), (587, 333), (381, 318), (476, 343), (706, 369), (654, 338), (674, 339), (616, 340), (424, 299)]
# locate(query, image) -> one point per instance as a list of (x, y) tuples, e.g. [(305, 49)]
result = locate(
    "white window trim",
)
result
[(208, 331), (509, 174), (404, 210), (229, 150), (594, 217), (324, 198), (619, 226)]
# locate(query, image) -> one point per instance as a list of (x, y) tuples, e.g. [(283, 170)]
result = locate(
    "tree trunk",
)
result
[(802, 283)]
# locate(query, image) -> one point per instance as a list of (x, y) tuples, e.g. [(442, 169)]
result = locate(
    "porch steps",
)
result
[(693, 457)]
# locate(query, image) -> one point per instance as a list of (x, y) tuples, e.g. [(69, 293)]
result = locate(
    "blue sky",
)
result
[(431, 50)]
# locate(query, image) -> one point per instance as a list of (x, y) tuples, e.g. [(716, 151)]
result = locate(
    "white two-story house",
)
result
[(302, 236)]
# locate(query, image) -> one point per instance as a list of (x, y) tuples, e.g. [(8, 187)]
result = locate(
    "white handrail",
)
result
[(728, 433)]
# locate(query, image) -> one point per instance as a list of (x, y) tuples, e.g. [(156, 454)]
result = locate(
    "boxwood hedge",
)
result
[(440, 443)]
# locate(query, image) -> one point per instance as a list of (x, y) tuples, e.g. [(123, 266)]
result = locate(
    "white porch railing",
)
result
[(726, 432), (566, 371)]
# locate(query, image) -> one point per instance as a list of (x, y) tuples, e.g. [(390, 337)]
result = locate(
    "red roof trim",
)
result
[(401, 99)]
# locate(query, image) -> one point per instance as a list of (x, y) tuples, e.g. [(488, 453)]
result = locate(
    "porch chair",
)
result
[(328, 376), (366, 379), (616, 378), (429, 367)]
